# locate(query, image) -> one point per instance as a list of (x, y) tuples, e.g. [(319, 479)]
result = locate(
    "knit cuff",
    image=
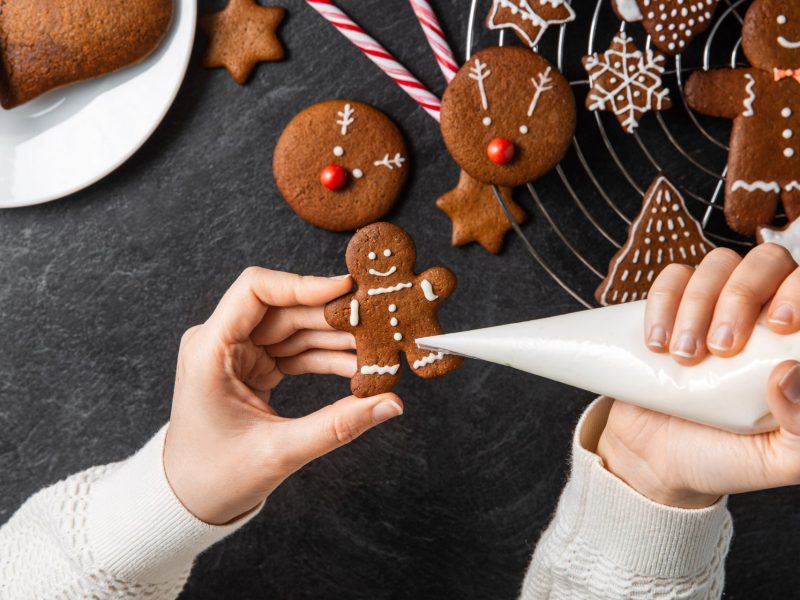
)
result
[(138, 530), (627, 528)]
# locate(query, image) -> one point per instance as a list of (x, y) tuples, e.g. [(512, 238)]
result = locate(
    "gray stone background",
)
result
[(447, 502)]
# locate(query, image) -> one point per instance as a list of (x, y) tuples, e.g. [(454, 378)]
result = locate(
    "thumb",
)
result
[(310, 437), (783, 396)]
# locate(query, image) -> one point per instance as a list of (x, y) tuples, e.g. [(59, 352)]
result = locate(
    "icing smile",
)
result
[(788, 43), (391, 271)]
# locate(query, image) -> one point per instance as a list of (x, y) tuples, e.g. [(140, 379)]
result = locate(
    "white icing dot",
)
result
[(674, 236), (387, 253), (372, 256), (787, 134), (358, 173), (393, 308), (672, 46), (393, 321), (338, 151), (661, 238), (788, 152), (659, 27), (523, 129), (676, 207), (786, 112), (782, 19), (487, 121), (398, 336)]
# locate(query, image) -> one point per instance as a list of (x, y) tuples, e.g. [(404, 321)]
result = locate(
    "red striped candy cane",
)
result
[(435, 36)]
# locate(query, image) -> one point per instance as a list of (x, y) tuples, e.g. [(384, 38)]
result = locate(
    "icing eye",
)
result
[(372, 256), (487, 121), (387, 252), (338, 151), (358, 173), (523, 129), (782, 20)]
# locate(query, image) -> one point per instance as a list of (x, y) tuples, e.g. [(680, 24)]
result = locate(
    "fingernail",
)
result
[(657, 338), (339, 277), (686, 346), (721, 339), (790, 385), (388, 409), (783, 315)]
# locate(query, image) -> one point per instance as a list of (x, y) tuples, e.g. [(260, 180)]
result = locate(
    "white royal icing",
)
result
[(479, 73), (428, 360), (393, 308), (358, 173), (391, 271), (354, 313), (388, 290), (544, 84), (345, 118), (788, 43), (338, 151), (526, 12), (398, 337), (391, 163), (751, 95), (629, 10), (427, 290), (761, 186), (379, 370), (789, 238)]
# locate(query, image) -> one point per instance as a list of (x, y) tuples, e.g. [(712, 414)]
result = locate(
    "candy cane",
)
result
[(378, 54), (435, 36)]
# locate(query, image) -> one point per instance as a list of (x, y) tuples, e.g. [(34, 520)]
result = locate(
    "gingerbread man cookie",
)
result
[(529, 19), (626, 81), (390, 309), (671, 24), (788, 237), (764, 103), (508, 116), (662, 234), (341, 164)]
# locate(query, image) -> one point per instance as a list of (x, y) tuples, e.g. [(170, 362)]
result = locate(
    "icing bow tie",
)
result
[(784, 73)]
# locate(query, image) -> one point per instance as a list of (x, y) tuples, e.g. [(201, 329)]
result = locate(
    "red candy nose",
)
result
[(501, 151), (333, 177)]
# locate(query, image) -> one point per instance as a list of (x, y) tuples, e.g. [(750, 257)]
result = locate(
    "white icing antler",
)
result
[(346, 118), (544, 83), (391, 163), (479, 73)]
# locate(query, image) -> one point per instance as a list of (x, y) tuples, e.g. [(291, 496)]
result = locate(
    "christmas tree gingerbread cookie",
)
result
[(662, 234), (508, 116), (341, 164), (671, 24), (391, 307), (764, 103), (626, 82), (529, 19)]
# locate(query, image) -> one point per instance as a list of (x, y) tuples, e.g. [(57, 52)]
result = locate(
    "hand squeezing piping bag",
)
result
[(603, 351)]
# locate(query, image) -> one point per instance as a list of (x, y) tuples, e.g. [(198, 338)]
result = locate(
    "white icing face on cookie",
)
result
[(771, 35)]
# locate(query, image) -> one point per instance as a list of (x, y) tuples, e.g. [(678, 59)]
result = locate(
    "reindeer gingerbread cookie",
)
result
[(390, 309), (764, 103), (341, 164), (508, 116)]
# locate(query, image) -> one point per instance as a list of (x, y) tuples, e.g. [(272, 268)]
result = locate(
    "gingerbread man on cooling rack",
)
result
[(764, 103), (391, 308)]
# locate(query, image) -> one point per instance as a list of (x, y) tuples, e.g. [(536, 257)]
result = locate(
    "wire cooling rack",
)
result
[(689, 149)]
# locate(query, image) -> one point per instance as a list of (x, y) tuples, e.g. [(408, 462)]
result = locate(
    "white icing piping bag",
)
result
[(603, 351)]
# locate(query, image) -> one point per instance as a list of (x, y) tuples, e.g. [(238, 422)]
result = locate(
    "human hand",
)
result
[(690, 314), (226, 448)]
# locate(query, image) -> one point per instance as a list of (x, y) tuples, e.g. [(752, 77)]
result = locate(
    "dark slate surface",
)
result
[(447, 502)]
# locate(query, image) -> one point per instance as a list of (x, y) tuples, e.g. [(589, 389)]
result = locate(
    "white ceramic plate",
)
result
[(71, 137)]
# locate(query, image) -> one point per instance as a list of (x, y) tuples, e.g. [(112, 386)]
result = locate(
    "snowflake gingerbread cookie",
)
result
[(671, 24), (788, 237), (764, 103), (341, 164), (390, 309), (508, 116), (662, 234), (626, 82), (529, 19)]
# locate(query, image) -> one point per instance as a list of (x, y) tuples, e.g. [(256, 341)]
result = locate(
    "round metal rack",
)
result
[(596, 198)]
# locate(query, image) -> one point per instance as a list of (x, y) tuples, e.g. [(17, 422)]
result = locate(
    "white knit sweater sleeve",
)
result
[(606, 541), (116, 531)]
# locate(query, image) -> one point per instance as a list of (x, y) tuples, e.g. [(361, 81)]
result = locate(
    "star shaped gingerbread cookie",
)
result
[(476, 215), (242, 35)]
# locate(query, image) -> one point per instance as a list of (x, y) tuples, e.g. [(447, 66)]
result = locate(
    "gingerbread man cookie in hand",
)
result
[(391, 308), (764, 103)]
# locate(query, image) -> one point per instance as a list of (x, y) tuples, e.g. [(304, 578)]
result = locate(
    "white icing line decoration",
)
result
[(427, 290), (380, 370), (523, 9), (761, 186), (751, 96), (391, 163), (479, 73), (428, 360), (544, 84), (346, 118), (391, 271), (354, 313), (388, 290), (788, 43)]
